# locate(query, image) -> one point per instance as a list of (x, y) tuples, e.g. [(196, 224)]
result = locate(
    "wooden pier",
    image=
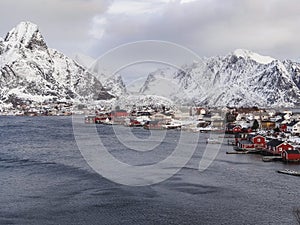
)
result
[(271, 158), (238, 152)]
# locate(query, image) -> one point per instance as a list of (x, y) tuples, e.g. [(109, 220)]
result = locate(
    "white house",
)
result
[(293, 127)]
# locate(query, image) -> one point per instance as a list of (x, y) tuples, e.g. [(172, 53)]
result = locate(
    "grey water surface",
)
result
[(45, 180)]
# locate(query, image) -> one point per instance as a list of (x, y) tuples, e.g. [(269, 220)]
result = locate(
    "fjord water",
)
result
[(45, 180)]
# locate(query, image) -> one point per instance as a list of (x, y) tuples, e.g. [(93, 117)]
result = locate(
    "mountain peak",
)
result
[(247, 54), (27, 34)]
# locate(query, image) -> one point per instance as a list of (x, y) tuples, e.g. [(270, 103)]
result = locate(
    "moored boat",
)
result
[(289, 172)]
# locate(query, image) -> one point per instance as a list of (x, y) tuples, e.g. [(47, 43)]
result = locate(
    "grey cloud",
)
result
[(64, 23), (212, 27), (208, 27)]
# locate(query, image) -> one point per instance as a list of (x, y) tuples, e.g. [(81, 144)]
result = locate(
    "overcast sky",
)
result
[(208, 27)]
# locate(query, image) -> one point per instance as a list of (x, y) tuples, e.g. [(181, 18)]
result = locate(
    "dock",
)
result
[(236, 152), (271, 158)]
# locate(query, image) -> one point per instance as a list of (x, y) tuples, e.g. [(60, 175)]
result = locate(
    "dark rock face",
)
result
[(31, 71)]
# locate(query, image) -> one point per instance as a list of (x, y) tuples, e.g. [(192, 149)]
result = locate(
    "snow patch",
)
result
[(22, 33), (246, 54)]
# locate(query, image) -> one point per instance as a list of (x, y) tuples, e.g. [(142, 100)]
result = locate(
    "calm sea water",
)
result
[(45, 180)]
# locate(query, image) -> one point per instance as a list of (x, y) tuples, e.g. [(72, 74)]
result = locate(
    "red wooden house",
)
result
[(102, 117), (276, 147), (250, 141), (291, 155), (245, 145), (258, 141), (119, 113)]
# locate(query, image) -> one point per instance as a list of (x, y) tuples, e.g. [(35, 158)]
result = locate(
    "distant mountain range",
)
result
[(30, 71), (241, 78)]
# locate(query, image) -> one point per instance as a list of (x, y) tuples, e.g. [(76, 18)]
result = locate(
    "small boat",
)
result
[(289, 172)]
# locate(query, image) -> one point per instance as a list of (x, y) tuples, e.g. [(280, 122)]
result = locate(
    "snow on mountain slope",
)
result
[(84, 60), (241, 78), (161, 83), (135, 86), (113, 83), (127, 102), (293, 68), (246, 54), (31, 71)]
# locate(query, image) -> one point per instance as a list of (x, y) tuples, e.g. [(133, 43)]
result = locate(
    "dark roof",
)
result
[(274, 143), (120, 110), (254, 135), (280, 121), (241, 135), (292, 151), (292, 123)]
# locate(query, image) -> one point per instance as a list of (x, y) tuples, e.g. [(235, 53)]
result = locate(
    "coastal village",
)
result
[(275, 134)]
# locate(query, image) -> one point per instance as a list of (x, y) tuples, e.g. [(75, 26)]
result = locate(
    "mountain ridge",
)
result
[(30, 71), (240, 78)]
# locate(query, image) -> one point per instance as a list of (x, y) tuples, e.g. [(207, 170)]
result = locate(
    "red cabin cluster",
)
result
[(245, 141), (276, 147)]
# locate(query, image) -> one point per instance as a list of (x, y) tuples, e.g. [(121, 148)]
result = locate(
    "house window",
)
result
[(290, 148), (258, 139), (280, 149)]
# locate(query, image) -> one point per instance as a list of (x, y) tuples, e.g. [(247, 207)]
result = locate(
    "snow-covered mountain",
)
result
[(29, 70), (241, 78), (135, 86), (32, 71), (113, 83), (160, 82), (84, 60)]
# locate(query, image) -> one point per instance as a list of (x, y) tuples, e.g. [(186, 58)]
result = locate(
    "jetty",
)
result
[(238, 152), (271, 158)]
